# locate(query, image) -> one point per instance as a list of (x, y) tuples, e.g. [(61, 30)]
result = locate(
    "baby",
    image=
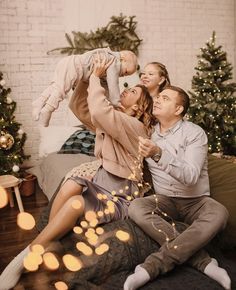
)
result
[(71, 69)]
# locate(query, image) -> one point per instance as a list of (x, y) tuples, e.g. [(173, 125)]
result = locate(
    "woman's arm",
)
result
[(104, 116), (79, 105)]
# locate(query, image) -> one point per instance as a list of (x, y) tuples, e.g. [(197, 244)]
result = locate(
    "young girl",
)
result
[(117, 133), (155, 78)]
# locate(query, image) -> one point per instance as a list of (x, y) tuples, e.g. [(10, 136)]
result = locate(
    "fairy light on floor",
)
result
[(25, 221), (93, 239), (72, 263), (100, 213), (90, 215), (78, 230), (101, 249), (50, 261), (99, 196), (84, 224), (85, 249), (122, 235), (93, 223), (32, 261), (115, 198), (60, 285), (99, 231)]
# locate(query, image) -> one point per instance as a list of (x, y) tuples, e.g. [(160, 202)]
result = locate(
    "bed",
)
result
[(109, 271)]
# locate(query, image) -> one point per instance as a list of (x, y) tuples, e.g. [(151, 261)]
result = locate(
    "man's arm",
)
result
[(185, 167)]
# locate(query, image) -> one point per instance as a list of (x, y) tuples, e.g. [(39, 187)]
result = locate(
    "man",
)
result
[(177, 159)]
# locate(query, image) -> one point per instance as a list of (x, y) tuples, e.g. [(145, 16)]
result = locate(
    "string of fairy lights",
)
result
[(92, 235)]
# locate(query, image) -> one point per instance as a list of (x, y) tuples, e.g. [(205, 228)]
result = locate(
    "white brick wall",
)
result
[(172, 32)]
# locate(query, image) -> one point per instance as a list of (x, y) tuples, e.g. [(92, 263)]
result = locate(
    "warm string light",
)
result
[(90, 230), (175, 233)]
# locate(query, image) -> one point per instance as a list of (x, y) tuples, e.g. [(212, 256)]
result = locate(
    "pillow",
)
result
[(52, 138), (81, 141), (54, 167), (222, 175)]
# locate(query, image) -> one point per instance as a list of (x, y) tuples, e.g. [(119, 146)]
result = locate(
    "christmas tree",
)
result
[(12, 137), (213, 100)]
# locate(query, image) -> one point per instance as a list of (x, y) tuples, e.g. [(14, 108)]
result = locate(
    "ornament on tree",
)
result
[(9, 100), (20, 131), (15, 168), (2, 82), (6, 141)]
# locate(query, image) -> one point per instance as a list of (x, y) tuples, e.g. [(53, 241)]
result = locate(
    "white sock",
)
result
[(218, 274), (136, 280), (45, 115), (13, 271)]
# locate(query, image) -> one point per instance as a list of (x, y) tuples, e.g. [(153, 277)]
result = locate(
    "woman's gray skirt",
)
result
[(112, 186)]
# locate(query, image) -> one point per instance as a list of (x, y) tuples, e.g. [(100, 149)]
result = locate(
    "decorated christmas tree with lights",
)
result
[(12, 137), (213, 100)]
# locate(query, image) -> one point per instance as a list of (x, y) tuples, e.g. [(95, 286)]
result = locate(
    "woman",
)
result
[(155, 78), (117, 133)]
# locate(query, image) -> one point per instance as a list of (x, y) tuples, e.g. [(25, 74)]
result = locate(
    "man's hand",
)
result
[(100, 65), (147, 148)]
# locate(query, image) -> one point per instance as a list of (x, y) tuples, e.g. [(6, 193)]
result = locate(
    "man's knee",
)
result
[(219, 213), (223, 216), (134, 209), (140, 210)]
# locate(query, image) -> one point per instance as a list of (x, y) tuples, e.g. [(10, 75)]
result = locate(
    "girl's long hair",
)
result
[(144, 112), (163, 73)]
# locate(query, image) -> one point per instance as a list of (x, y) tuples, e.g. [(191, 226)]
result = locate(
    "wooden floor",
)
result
[(13, 240)]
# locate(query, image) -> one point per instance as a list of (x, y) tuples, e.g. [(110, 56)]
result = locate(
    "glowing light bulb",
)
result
[(25, 221)]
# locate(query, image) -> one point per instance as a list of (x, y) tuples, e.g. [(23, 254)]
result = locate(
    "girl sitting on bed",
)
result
[(120, 173)]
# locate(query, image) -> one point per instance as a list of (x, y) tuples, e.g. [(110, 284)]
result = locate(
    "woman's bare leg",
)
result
[(69, 188), (61, 223)]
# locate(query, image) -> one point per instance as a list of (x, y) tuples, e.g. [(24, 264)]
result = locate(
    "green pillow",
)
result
[(81, 141), (222, 175)]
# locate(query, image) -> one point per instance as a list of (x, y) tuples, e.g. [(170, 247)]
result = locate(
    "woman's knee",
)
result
[(69, 189)]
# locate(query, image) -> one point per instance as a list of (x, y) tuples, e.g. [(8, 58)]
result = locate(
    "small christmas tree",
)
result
[(213, 102), (12, 137)]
